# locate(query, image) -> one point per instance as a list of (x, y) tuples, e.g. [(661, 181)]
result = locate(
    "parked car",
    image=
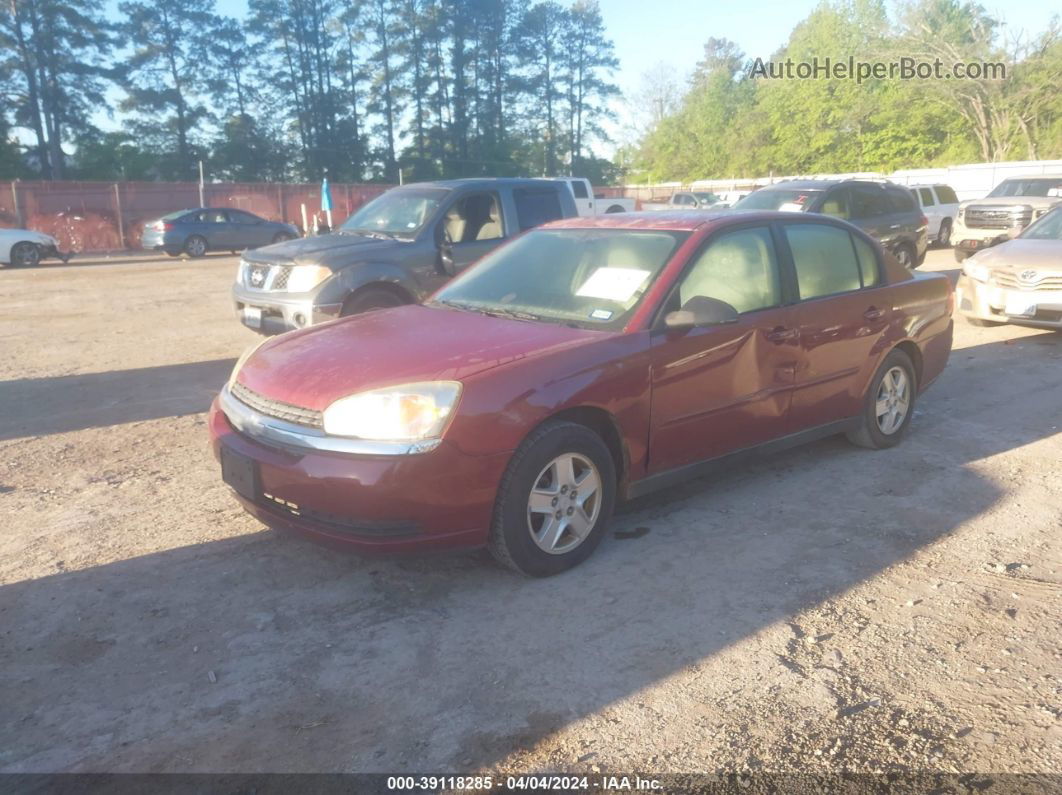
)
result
[(685, 200), (1019, 281), (23, 248), (397, 249), (1011, 206), (587, 203), (939, 205), (884, 210), (195, 232), (729, 198), (587, 361)]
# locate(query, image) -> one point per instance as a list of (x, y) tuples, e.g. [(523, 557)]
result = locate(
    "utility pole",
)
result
[(202, 203)]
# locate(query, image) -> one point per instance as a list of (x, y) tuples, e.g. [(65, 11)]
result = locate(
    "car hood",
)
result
[(329, 250), (17, 235), (1023, 253), (316, 366)]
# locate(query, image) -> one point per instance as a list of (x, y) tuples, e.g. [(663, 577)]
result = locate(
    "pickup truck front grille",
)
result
[(989, 217), (276, 408), (262, 276), (1012, 281)]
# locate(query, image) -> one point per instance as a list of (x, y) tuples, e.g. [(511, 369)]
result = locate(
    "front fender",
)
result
[(353, 277)]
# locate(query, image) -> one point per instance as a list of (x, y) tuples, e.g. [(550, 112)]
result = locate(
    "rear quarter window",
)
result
[(946, 195), (536, 206)]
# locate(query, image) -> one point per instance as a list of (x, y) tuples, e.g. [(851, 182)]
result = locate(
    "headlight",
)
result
[(239, 271), (306, 277), (976, 271), (962, 212), (397, 413), (245, 356)]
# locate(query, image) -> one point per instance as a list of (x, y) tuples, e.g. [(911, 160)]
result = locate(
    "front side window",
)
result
[(824, 259), (217, 217), (401, 212), (585, 277), (579, 189), (472, 218), (869, 202), (536, 206), (737, 267), (836, 203)]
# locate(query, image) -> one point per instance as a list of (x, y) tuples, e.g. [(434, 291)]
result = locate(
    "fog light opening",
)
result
[(300, 319)]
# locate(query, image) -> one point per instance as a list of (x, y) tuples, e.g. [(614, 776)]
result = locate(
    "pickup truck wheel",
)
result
[(25, 255), (554, 501), (615, 208), (944, 233), (370, 298), (905, 254), (195, 246), (888, 405)]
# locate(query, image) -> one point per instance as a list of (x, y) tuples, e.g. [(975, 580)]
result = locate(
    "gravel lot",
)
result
[(831, 609)]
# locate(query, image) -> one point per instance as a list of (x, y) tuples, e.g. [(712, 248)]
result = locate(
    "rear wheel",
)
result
[(195, 246), (888, 405), (554, 501), (25, 255), (615, 208), (905, 254), (944, 233), (369, 299)]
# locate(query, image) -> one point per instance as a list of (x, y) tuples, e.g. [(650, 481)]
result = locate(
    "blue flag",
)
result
[(326, 196)]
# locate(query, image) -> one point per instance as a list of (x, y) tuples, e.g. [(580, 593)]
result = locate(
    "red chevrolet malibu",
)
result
[(590, 360)]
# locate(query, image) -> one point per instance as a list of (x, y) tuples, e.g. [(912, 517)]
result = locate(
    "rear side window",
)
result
[(868, 262), (901, 200), (946, 195), (536, 206), (927, 196), (579, 189), (736, 267), (824, 259), (868, 201)]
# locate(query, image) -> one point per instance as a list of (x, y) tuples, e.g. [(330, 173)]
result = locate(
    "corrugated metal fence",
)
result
[(108, 216)]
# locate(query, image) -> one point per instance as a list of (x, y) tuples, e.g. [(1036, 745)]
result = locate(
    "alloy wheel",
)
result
[(564, 503), (893, 401), (197, 247)]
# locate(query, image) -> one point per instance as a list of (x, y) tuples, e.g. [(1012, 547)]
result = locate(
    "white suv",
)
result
[(939, 205), (1001, 215)]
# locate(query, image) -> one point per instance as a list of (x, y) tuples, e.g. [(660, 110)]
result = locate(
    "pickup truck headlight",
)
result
[(962, 212), (409, 412), (976, 271), (306, 277)]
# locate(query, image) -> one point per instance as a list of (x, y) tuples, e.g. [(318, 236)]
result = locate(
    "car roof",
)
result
[(681, 220), (823, 184), (482, 182)]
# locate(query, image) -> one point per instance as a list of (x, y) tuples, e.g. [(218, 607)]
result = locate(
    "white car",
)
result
[(939, 205), (588, 204), (25, 248)]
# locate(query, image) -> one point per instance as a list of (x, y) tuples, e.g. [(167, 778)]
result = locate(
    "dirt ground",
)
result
[(831, 609)]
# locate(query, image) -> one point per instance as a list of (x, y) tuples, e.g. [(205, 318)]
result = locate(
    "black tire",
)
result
[(281, 237), (368, 299), (981, 323), (195, 246), (171, 253), (905, 253), (960, 256), (944, 233), (511, 541), (25, 255), (870, 433)]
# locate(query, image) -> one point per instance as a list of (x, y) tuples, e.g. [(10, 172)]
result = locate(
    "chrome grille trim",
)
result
[(273, 277), (276, 408), (1005, 217), (1011, 281)]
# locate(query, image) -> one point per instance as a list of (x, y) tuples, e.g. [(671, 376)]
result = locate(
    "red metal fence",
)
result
[(108, 216)]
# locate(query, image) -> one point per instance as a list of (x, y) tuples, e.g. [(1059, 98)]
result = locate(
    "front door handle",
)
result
[(874, 313), (781, 334)]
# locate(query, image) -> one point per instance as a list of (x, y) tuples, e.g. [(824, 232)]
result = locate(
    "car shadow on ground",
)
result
[(263, 652), (90, 260), (58, 404)]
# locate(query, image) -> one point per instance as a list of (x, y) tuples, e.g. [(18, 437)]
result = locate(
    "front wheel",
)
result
[(195, 246), (369, 299), (25, 255), (888, 405), (554, 502)]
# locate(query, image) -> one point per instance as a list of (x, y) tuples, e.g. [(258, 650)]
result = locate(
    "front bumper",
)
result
[(394, 503), (970, 240), (275, 313), (987, 301)]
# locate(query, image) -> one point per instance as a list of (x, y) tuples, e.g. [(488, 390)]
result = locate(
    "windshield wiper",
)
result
[(490, 311)]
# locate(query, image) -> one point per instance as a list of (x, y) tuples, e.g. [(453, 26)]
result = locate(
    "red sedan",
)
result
[(590, 360)]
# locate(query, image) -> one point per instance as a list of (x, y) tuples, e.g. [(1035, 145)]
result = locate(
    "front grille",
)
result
[(280, 279), (997, 217), (1011, 281), (261, 276), (277, 409)]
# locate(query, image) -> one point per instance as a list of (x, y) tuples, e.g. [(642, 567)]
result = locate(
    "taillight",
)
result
[(924, 221)]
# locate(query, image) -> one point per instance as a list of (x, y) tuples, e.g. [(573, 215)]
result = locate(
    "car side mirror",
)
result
[(701, 311)]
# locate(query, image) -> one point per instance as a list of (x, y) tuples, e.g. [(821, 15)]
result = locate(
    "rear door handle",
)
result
[(874, 313), (781, 334)]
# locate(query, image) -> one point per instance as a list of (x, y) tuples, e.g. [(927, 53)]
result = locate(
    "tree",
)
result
[(589, 56), (538, 39), (167, 73)]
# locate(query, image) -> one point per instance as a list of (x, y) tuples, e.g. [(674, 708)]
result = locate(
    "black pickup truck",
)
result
[(397, 249)]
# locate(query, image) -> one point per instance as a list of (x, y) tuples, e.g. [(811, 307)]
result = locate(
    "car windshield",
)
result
[(775, 198), (592, 278), (1047, 228), (706, 197), (398, 213), (1026, 187)]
